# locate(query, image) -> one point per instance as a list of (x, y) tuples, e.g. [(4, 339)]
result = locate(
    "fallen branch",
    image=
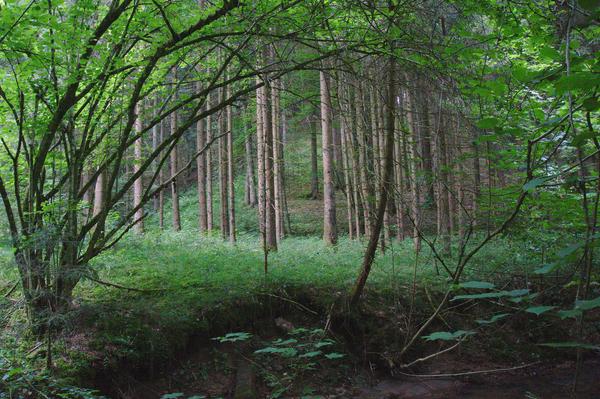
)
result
[(469, 372), (122, 287)]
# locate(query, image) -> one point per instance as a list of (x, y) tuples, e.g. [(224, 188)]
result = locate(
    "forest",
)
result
[(254, 199)]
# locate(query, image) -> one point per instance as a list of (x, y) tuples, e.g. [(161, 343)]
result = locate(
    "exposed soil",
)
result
[(231, 371)]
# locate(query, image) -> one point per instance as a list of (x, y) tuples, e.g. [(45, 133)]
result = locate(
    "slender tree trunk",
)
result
[(174, 187), (329, 216), (270, 227), (425, 142), (366, 194), (260, 149), (345, 171), (314, 166), (223, 184), (155, 142), (201, 172), (476, 176), (209, 168), (230, 170), (277, 165), (250, 179), (415, 197), (138, 183), (161, 179)]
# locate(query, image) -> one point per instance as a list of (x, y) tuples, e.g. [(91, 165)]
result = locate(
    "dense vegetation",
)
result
[(292, 198)]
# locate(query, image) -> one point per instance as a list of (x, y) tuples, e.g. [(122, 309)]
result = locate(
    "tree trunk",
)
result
[(209, 168), (260, 150), (366, 193), (201, 172), (314, 166), (329, 216), (138, 183), (223, 183), (174, 162), (230, 170), (250, 192), (161, 179), (277, 164), (270, 227), (414, 186)]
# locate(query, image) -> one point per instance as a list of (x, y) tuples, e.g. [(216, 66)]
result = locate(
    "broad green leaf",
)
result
[(498, 294), (532, 184), (447, 336), (488, 123), (477, 285), (334, 355), (311, 354), (538, 310), (591, 104), (588, 304), (494, 318), (572, 313), (547, 268)]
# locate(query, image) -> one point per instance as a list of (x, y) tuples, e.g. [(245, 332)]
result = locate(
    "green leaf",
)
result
[(591, 104), (576, 81), (477, 285), (311, 354), (447, 336), (538, 310), (532, 184), (550, 53), (572, 313), (280, 342), (334, 355), (285, 352), (494, 318), (547, 268), (588, 304), (488, 123), (497, 294), (172, 395)]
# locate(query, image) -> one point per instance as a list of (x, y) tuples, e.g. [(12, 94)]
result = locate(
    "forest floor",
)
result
[(149, 332)]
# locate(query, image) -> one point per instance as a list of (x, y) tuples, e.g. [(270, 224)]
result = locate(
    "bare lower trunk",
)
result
[(174, 187), (314, 166), (137, 184), (209, 167), (329, 216), (223, 184), (231, 189), (201, 173)]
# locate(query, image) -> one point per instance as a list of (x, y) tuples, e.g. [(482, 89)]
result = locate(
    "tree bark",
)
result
[(329, 216), (230, 170), (138, 184), (174, 162), (201, 173), (209, 167), (223, 161), (314, 165)]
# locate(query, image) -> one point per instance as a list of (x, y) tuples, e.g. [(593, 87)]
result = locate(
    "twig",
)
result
[(301, 306), (106, 283), (14, 287), (468, 372)]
